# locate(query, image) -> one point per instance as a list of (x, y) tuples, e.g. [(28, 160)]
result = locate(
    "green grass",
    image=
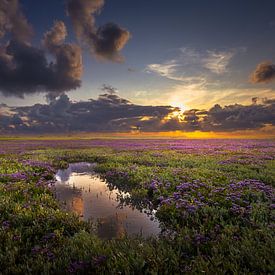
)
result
[(38, 237)]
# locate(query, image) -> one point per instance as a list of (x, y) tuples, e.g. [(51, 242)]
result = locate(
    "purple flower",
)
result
[(161, 198), (49, 236), (76, 266), (98, 260), (50, 255), (16, 238), (6, 224), (200, 239), (36, 249)]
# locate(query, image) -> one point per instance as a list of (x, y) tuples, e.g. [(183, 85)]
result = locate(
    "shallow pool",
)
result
[(85, 193)]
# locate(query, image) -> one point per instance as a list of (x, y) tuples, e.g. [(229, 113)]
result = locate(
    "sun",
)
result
[(177, 114), (180, 105)]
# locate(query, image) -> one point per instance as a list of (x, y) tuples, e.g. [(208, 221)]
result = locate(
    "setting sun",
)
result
[(179, 105)]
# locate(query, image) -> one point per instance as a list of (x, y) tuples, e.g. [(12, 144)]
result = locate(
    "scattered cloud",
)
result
[(167, 69), (217, 62), (108, 89), (24, 69), (106, 41), (13, 21), (192, 65), (196, 73), (56, 36), (264, 73), (28, 69)]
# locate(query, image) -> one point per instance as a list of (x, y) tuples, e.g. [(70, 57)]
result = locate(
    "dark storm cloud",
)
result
[(24, 69), (110, 40), (68, 65), (238, 117), (191, 119), (107, 113), (264, 73), (105, 42), (111, 113)]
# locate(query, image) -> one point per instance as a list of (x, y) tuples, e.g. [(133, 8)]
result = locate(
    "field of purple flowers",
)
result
[(213, 198)]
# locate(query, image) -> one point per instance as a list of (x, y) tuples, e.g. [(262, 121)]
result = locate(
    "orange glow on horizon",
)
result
[(264, 133)]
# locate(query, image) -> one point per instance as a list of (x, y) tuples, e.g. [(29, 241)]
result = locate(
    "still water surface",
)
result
[(85, 193)]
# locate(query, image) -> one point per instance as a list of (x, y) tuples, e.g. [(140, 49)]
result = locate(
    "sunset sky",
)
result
[(137, 61)]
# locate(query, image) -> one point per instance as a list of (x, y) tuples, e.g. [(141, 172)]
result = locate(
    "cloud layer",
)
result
[(111, 113)]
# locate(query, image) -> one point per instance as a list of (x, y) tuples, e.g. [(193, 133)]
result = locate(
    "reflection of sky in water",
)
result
[(84, 193), (80, 168)]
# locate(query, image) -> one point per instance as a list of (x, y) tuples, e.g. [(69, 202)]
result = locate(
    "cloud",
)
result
[(13, 21), (264, 73), (112, 113), (106, 41), (110, 40), (24, 69), (217, 62), (108, 89), (268, 101), (82, 14), (239, 117), (109, 112), (192, 65), (202, 94), (27, 69), (167, 69), (56, 36)]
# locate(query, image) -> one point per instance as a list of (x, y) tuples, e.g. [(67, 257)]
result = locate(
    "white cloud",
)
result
[(201, 80), (6, 110), (192, 65), (217, 62), (168, 69)]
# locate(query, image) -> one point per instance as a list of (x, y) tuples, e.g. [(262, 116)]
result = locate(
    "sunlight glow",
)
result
[(180, 105), (175, 115)]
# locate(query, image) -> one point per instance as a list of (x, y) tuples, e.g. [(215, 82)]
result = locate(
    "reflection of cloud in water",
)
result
[(80, 167), (90, 197)]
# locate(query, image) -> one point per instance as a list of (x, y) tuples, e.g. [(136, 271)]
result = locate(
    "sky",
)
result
[(144, 66)]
